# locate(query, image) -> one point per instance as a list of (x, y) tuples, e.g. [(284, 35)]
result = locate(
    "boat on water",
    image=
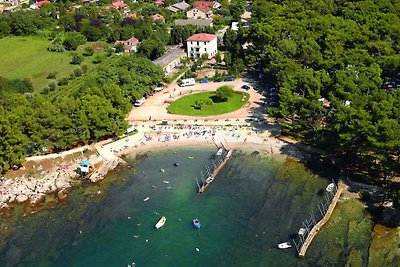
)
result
[(302, 231), (229, 155), (284, 245), (165, 182), (161, 222), (196, 223), (190, 157), (220, 151), (162, 170), (209, 180), (330, 187), (146, 199)]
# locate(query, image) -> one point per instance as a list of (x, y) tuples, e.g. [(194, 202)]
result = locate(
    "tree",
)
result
[(224, 93), (73, 40), (218, 58)]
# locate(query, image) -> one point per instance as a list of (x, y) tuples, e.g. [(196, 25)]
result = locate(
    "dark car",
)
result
[(273, 89), (217, 80), (203, 81), (229, 79), (273, 93), (273, 104), (246, 87)]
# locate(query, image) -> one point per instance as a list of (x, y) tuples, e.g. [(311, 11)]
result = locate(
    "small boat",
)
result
[(219, 152), (229, 155), (284, 245), (190, 157), (196, 223), (165, 182), (176, 164), (146, 199), (161, 222), (302, 231), (330, 187), (209, 180), (162, 170)]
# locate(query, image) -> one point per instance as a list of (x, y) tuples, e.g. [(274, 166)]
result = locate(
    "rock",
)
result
[(21, 198)]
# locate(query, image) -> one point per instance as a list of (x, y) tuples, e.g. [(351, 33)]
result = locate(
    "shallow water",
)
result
[(256, 202)]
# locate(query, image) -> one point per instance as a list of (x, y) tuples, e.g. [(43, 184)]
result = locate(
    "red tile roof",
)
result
[(132, 40), (159, 2), (204, 37), (205, 6), (41, 3), (118, 4), (157, 17)]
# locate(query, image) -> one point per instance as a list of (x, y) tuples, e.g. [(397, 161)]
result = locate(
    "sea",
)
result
[(256, 202)]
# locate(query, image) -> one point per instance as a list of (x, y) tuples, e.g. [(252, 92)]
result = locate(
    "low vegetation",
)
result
[(209, 103)]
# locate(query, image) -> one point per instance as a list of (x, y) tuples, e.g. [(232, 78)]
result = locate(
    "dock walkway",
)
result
[(322, 222)]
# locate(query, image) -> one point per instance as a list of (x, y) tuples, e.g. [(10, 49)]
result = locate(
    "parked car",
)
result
[(273, 104), (246, 87), (139, 102), (217, 80), (159, 87), (273, 89), (203, 81), (229, 79), (273, 93)]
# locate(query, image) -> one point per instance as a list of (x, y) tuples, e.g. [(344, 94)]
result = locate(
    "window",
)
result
[(198, 43)]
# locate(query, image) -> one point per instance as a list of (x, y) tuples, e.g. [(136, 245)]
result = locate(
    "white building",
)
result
[(202, 43)]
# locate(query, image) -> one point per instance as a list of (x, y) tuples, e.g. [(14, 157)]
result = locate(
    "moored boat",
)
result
[(161, 222), (330, 187), (196, 223), (146, 199), (284, 245), (165, 182), (302, 231), (220, 151)]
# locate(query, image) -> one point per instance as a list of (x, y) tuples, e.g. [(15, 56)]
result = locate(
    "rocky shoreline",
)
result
[(34, 187)]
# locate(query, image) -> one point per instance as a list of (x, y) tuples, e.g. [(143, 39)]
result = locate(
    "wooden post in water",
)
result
[(321, 223)]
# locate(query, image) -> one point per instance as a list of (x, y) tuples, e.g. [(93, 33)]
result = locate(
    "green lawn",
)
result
[(28, 57), (185, 105)]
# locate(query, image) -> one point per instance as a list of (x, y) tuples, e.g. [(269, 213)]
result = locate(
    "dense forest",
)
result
[(90, 108), (336, 65)]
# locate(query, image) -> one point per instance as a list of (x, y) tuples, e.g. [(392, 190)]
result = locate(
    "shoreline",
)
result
[(31, 190)]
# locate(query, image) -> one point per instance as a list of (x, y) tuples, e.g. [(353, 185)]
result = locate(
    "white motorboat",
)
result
[(209, 180), (161, 222), (146, 199), (219, 152), (284, 245), (330, 187), (302, 231), (229, 155), (165, 182)]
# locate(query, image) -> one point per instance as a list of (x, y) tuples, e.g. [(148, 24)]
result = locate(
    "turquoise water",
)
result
[(256, 202)]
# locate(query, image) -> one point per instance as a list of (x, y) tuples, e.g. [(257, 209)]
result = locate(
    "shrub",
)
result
[(88, 51), (76, 59), (52, 75), (224, 93), (63, 81)]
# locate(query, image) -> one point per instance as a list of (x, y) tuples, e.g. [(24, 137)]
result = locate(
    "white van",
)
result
[(139, 102), (187, 82)]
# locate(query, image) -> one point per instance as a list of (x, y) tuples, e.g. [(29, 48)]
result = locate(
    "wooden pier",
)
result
[(216, 167), (322, 222)]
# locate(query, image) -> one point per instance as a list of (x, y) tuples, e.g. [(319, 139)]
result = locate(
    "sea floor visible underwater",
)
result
[(256, 202)]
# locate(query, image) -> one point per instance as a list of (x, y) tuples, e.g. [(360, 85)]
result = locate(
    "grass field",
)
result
[(185, 105), (27, 57)]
